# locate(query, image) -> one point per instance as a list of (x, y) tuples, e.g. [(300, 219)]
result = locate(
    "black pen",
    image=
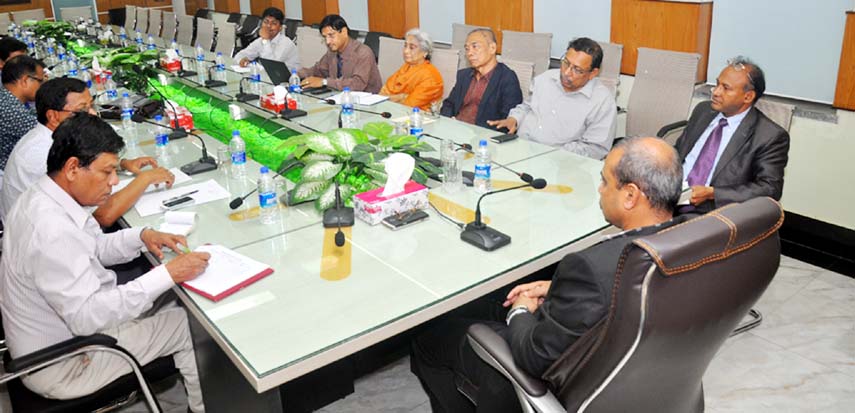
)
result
[(175, 198)]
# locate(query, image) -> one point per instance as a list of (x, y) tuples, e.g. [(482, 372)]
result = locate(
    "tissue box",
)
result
[(170, 66), (372, 208), (269, 102), (185, 118)]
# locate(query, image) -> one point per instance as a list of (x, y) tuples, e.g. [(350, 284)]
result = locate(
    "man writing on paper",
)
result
[(271, 44), (53, 284), (56, 100), (570, 108), (347, 62)]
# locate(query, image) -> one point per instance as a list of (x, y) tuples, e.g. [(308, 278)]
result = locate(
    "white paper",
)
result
[(208, 191), (362, 98), (399, 169), (240, 69), (178, 222), (225, 270), (404, 119), (180, 178)]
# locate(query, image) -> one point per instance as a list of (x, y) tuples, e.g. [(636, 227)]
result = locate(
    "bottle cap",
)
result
[(415, 110), (264, 170), (346, 89), (483, 142), (235, 133)]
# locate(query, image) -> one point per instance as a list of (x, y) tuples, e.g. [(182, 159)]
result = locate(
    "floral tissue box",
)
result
[(372, 208)]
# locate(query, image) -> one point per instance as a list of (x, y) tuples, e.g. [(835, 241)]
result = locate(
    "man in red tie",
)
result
[(731, 151)]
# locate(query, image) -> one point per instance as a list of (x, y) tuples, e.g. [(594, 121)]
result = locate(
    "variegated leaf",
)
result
[(319, 171), (342, 140), (326, 199), (294, 141), (314, 156), (379, 176), (321, 143), (307, 191), (378, 129)]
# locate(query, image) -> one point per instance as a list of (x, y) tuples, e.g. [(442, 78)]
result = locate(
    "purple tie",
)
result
[(704, 164)]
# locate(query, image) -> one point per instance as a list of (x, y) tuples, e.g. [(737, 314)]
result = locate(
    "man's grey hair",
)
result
[(423, 39), (660, 179), (486, 32)]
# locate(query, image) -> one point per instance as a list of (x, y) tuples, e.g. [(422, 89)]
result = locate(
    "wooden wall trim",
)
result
[(33, 4), (315, 10), (844, 95), (393, 16), (516, 15)]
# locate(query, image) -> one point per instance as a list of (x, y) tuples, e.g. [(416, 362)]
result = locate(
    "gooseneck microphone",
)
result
[(175, 127), (211, 82), (204, 164), (468, 148), (480, 235), (331, 102), (186, 73), (338, 216), (237, 202), (242, 96)]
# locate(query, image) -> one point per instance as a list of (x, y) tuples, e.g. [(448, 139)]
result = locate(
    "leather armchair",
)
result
[(677, 297)]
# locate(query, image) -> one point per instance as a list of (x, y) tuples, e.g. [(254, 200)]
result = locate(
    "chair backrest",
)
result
[(310, 45), (226, 39), (71, 14), (203, 13), (458, 41), (610, 67), (390, 58), (528, 47), (169, 25), (205, 33), (291, 26), (219, 18), (249, 26), (677, 297), (185, 30), (130, 19), (372, 40), (780, 113), (662, 90), (5, 20), (525, 74), (23, 15), (142, 20), (445, 60), (155, 21)]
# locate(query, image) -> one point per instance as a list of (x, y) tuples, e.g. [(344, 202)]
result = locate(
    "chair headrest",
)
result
[(714, 236)]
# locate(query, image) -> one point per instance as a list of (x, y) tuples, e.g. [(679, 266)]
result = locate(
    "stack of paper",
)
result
[(361, 98), (227, 273), (178, 222), (208, 191), (180, 178)]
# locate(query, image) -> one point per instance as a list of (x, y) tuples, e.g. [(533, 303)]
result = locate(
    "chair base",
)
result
[(756, 319)]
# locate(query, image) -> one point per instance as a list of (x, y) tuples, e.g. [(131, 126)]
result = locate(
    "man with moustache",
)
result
[(347, 63)]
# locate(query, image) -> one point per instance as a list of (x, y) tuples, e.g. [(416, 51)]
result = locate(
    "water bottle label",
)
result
[(61, 56), (151, 46), (482, 171), (72, 72), (416, 131), (267, 199), (161, 139), (127, 113), (200, 57), (112, 94), (238, 158), (347, 109), (89, 84)]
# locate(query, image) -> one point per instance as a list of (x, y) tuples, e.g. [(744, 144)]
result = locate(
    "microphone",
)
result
[(488, 239), (186, 73), (338, 216), (213, 82), (204, 164), (242, 96), (468, 148), (175, 126), (331, 102), (237, 202)]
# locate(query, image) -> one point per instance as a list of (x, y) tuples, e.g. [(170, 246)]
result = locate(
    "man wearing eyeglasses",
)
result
[(57, 100), (271, 43), (570, 108), (347, 63), (22, 76), (731, 151)]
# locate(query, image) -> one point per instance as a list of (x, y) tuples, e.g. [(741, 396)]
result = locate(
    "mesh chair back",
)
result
[(310, 46), (226, 39), (130, 19), (71, 14), (185, 30), (142, 20), (610, 67), (155, 20), (219, 18), (445, 60), (23, 15), (5, 20), (662, 90), (780, 113), (459, 32), (528, 47), (390, 58), (372, 40), (205, 33), (525, 74), (291, 26), (203, 14), (169, 25)]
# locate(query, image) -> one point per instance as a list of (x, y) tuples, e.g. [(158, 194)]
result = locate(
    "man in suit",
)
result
[(639, 189), (732, 152), (487, 90)]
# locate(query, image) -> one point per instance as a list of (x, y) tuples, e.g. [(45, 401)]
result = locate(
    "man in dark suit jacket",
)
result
[(751, 153), (640, 186), (486, 91)]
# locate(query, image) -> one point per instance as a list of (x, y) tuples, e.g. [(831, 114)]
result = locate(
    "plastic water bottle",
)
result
[(123, 37), (139, 41), (174, 46), (267, 199), (127, 112), (50, 54), (60, 53), (416, 123), (254, 79), (238, 150), (31, 46), (348, 115), (86, 78), (161, 141), (151, 45), (110, 88), (294, 87), (200, 63), (73, 71), (220, 67), (483, 164)]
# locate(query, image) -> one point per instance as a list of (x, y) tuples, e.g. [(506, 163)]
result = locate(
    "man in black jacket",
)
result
[(640, 186), (486, 91)]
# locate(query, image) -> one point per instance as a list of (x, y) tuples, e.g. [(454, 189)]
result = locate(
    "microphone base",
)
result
[(292, 113), (245, 97), (186, 73), (178, 134), (484, 237), (335, 217), (215, 83), (201, 166)]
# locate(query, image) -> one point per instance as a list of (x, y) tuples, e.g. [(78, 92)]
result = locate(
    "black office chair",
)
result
[(372, 40), (116, 16), (203, 14), (235, 18), (354, 34), (291, 26), (247, 31), (118, 393)]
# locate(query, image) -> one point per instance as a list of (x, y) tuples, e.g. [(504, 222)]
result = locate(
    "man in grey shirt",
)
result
[(271, 43), (570, 108)]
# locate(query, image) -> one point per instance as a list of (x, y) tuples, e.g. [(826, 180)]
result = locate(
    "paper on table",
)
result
[(180, 178), (208, 191), (178, 222), (226, 273), (240, 69), (362, 98)]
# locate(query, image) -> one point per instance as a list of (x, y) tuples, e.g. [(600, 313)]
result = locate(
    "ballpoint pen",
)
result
[(175, 198)]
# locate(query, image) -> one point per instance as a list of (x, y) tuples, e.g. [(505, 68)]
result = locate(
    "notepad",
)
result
[(228, 272), (180, 178), (178, 222), (362, 98), (208, 191)]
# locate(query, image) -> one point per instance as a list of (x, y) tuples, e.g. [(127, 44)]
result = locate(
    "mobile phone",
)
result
[(177, 202), (503, 138), (398, 221), (316, 90)]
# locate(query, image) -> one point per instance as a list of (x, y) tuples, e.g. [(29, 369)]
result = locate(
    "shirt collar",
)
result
[(639, 229), (587, 90), (351, 44), (733, 121), (43, 130), (63, 199)]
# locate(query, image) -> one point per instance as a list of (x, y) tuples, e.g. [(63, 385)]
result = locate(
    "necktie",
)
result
[(338, 65), (704, 164)]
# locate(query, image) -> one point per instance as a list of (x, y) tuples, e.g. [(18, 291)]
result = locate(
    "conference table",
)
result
[(323, 303)]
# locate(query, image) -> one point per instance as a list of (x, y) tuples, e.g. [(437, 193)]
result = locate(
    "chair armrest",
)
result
[(494, 350), (670, 127), (49, 353)]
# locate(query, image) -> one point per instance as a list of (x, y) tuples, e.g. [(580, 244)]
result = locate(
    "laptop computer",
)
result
[(276, 70)]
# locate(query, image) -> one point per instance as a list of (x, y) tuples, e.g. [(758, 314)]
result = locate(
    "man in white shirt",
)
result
[(570, 108), (272, 43), (56, 100), (53, 280)]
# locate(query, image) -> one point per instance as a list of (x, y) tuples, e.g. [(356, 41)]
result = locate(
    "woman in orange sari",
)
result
[(417, 83)]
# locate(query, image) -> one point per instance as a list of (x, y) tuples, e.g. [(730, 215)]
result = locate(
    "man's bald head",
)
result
[(654, 166)]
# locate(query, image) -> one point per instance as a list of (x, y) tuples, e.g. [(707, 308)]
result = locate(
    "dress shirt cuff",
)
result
[(520, 309), (156, 282)]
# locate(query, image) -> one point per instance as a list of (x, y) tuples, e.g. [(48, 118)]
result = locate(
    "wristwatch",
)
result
[(515, 311), (324, 81)]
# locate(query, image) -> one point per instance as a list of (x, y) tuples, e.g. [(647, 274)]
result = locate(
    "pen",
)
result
[(175, 198), (183, 248)]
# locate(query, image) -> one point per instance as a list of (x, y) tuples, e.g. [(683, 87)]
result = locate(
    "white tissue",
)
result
[(96, 67), (399, 169), (171, 55), (280, 93)]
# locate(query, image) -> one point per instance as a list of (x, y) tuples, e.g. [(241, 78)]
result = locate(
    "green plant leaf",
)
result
[(300, 151), (378, 175), (308, 191), (419, 176), (342, 140), (428, 167), (395, 142), (314, 156), (319, 171), (326, 199), (378, 129), (321, 143), (420, 146), (295, 140), (289, 163), (367, 154)]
